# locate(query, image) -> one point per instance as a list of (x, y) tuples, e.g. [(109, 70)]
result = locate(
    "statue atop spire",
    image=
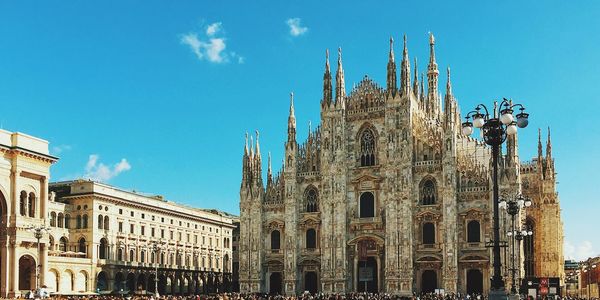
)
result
[(540, 153), (448, 84), (257, 145), (246, 145), (405, 72), (432, 80), (292, 120), (415, 88), (269, 170), (340, 85), (327, 89), (392, 87), (549, 146)]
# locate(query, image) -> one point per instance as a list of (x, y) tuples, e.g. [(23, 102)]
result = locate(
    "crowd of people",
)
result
[(304, 296)]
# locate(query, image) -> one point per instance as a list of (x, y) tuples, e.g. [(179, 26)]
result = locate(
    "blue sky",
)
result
[(156, 95)]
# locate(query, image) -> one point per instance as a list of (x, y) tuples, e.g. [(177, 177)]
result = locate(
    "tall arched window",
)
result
[(78, 221), (103, 249), (81, 246), (23, 203), (53, 219), (275, 240), (142, 256), (473, 232), (100, 222), (367, 205), (106, 223), (428, 233), (31, 204), (51, 242), (367, 148), (120, 254), (67, 221), (131, 255), (428, 192), (528, 250), (62, 246), (311, 239), (312, 200), (84, 221)]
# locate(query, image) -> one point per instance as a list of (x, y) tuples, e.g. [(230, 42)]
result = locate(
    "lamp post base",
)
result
[(497, 295)]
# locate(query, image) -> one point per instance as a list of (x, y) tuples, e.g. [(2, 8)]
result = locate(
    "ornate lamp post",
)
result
[(495, 128), (38, 233), (518, 236), (513, 206), (157, 246)]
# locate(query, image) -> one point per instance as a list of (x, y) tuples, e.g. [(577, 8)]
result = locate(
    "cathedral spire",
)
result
[(292, 120), (391, 71), (246, 145), (549, 146), (449, 84), (432, 78), (405, 73), (327, 89), (269, 170), (540, 153), (340, 86), (416, 80), (422, 90), (257, 146)]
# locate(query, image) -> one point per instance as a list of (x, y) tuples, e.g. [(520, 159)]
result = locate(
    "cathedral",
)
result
[(387, 195)]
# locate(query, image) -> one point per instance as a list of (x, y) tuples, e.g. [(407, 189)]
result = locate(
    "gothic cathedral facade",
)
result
[(387, 195)]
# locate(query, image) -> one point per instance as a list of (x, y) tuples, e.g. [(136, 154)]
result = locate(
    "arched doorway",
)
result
[(275, 283), (162, 284), (151, 283), (141, 283), (310, 282), (367, 275), (474, 281), (428, 281), (27, 273), (119, 284), (130, 283), (102, 281)]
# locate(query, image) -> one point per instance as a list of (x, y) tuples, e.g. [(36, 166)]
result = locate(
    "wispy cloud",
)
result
[(61, 148), (296, 28), (98, 171), (579, 252), (212, 47)]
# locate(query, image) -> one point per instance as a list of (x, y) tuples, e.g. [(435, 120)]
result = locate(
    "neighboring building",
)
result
[(101, 238), (571, 288), (589, 278), (387, 195)]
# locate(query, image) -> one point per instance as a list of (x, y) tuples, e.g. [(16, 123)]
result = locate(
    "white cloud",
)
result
[(296, 28), (578, 252), (213, 47), (61, 148), (98, 171), (213, 28)]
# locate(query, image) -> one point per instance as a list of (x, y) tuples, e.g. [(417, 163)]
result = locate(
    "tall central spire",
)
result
[(327, 89), (292, 120), (432, 78), (340, 86), (416, 81), (405, 72), (392, 87)]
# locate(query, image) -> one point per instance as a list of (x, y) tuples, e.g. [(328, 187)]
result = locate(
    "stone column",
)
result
[(356, 273), (379, 277), (13, 272)]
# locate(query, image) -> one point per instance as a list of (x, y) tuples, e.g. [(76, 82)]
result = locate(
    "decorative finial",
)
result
[(327, 55), (431, 39), (339, 55)]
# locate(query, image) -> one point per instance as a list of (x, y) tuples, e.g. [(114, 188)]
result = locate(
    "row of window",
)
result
[(162, 220), (27, 204), (226, 241), (61, 220), (428, 235)]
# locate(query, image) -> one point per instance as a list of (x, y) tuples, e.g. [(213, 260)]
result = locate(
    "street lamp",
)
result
[(495, 129), (587, 268), (38, 233), (157, 246), (518, 235), (513, 206)]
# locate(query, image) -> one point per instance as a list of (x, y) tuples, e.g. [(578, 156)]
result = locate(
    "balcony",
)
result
[(372, 223), (310, 251), (435, 247)]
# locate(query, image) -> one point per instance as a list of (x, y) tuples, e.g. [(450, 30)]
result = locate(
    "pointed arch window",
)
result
[(23, 203), (100, 222), (106, 223), (67, 221), (367, 148), (52, 219), (367, 205), (62, 246), (428, 192), (81, 246), (312, 200), (84, 221)]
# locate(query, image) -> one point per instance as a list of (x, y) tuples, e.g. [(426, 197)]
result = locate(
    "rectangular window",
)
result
[(152, 231), (120, 211), (131, 227), (171, 234), (179, 236), (210, 241), (162, 233), (188, 237), (143, 216), (162, 220), (203, 240), (131, 213), (120, 226), (195, 239), (143, 230)]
